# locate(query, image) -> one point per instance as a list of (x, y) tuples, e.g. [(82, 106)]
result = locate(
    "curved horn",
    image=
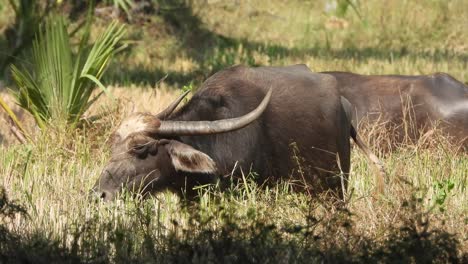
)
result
[(166, 112), (186, 128)]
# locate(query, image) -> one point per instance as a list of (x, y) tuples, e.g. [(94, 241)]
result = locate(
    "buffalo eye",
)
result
[(140, 150), (153, 149)]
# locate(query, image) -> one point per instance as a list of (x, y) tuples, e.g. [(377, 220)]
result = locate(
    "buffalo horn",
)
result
[(166, 112), (186, 128)]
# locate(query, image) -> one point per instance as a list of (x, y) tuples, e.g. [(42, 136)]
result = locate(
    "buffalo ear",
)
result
[(185, 158)]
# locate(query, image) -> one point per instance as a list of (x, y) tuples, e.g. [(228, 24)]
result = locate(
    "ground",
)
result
[(421, 217)]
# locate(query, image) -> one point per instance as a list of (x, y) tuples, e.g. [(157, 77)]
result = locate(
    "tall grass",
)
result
[(420, 218)]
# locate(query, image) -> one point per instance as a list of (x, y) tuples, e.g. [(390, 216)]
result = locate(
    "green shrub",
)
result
[(57, 85)]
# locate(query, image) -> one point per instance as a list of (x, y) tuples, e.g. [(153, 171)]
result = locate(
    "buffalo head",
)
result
[(146, 158)]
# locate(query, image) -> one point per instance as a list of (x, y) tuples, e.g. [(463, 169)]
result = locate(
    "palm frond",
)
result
[(58, 85)]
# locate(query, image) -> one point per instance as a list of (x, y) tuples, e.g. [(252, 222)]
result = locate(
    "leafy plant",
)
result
[(442, 189), (58, 85)]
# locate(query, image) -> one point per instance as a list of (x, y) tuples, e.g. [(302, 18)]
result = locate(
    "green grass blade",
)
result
[(99, 84), (13, 117)]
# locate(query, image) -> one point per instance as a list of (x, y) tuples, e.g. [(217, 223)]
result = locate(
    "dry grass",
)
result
[(125, 101), (51, 180), (421, 217)]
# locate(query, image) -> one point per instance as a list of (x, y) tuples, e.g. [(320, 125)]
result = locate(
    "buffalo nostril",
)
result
[(106, 196), (97, 195)]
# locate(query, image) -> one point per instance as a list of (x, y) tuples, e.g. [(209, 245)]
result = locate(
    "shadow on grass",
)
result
[(150, 76), (226, 239), (195, 37), (231, 243), (214, 52)]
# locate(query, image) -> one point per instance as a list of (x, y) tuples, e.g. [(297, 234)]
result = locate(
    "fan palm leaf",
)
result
[(57, 85)]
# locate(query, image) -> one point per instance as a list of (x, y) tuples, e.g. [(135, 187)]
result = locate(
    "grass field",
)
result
[(45, 214)]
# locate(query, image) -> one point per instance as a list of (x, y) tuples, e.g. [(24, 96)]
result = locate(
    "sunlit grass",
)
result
[(52, 179), (425, 188)]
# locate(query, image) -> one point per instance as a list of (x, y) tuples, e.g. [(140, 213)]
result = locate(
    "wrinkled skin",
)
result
[(145, 167), (303, 136), (138, 169)]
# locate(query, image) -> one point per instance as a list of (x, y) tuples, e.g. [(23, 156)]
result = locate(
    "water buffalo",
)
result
[(410, 104), (280, 122)]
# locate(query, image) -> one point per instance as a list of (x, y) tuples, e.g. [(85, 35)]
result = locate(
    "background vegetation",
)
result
[(45, 214)]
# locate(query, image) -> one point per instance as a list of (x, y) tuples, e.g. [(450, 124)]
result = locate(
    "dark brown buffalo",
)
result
[(298, 134), (411, 104)]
